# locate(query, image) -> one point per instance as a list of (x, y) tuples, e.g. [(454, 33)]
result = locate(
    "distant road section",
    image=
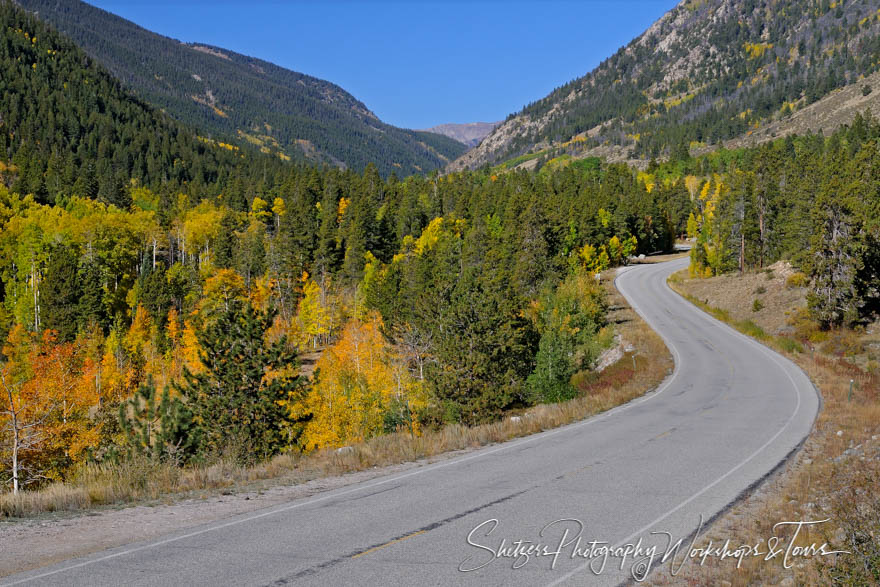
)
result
[(728, 415)]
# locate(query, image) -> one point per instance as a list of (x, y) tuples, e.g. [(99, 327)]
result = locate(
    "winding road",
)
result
[(727, 416)]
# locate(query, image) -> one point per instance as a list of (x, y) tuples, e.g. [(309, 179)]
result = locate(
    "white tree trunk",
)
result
[(15, 464)]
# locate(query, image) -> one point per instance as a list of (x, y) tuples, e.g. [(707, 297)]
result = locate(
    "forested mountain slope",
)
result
[(68, 127), (707, 71), (248, 100)]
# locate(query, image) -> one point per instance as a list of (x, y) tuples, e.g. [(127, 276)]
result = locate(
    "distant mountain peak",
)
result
[(468, 133)]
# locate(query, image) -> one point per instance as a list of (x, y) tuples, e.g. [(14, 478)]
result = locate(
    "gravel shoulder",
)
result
[(51, 538)]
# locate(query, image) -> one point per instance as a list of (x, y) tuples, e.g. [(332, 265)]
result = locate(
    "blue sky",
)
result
[(415, 64)]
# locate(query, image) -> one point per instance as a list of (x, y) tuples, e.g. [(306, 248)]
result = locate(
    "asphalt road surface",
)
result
[(728, 415)]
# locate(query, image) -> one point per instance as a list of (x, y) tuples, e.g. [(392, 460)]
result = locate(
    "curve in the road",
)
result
[(728, 415)]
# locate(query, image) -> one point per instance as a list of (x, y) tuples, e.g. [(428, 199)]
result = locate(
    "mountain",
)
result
[(243, 99), (69, 127), (469, 133), (706, 72)]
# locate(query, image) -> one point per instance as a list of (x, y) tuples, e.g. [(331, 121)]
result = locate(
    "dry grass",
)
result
[(836, 476), (644, 365), (737, 293)]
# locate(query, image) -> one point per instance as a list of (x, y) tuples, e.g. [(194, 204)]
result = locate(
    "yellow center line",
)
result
[(395, 541)]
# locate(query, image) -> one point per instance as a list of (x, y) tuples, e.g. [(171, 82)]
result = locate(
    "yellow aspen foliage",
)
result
[(429, 237), (692, 227), (615, 250), (112, 370), (174, 359), (201, 226), (360, 386), (647, 179), (220, 290), (437, 229), (313, 318), (587, 255), (704, 193), (340, 210), (710, 253), (756, 50), (262, 292), (190, 348), (260, 209), (174, 331), (692, 183), (279, 209), (595, 260), (138, 336)]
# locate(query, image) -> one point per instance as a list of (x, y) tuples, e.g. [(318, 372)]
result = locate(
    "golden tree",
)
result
[(363, 388)]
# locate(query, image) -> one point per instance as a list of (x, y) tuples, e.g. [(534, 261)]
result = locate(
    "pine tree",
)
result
[(61, 293), (329, 254), (835, 258), (224, 246), (239, 397), (159, 427), (156, 295), (90, 306), (359, 228)]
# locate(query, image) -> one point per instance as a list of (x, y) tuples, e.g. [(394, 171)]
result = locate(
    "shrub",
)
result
[(796, 280), (805, 327), (757, 305), (843, 342), (760, 290), (605, 338), (789, 345)]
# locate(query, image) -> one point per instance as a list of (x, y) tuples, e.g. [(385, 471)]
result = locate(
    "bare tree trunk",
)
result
[(16, 433), (15, 444), (36, 296), (761, 229)]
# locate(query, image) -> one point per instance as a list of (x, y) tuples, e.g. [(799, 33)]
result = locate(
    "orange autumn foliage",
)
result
[(47, 390)]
